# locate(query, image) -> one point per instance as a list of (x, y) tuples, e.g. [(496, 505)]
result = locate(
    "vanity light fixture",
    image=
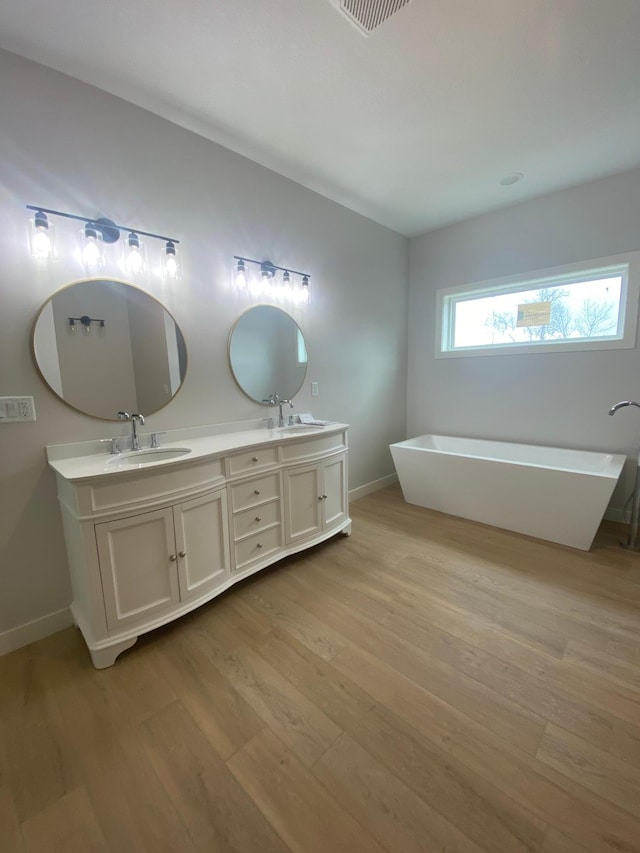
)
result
[(86, 322), (297, 292), (97, 233)]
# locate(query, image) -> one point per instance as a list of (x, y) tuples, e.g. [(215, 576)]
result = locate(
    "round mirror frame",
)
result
[(233, 328), (114, 281)]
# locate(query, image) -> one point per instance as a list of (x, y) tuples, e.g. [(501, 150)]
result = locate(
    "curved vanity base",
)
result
[(103, 658), (219, 514)]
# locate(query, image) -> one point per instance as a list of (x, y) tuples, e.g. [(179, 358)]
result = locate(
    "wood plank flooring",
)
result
[(428, 684)]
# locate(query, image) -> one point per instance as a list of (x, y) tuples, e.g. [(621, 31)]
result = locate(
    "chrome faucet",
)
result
[(135, 419), (280, 414), (621, 405)]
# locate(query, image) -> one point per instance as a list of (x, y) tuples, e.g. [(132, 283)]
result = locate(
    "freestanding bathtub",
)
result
[(547, 492)]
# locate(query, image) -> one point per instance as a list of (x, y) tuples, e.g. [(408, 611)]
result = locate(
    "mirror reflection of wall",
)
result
[(135, 362), (267, 352)]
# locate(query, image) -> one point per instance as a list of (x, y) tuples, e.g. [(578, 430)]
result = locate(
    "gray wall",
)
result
[(66, 145), (557, 399)]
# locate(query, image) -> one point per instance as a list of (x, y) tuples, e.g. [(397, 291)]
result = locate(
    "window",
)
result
[(301, 349), (586, 306)]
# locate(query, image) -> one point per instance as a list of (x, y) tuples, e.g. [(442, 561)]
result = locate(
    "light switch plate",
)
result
[(315, 390), (17, 409)]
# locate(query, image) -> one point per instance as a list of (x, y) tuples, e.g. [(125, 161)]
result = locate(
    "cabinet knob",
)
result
[(259, 545), (319, 497), (182, 553), (258, 518), (324, 497), (254, 458), (173, 558), (256, 491)]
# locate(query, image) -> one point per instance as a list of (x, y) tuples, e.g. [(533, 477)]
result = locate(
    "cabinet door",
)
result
[(303, 502), (202, 543), (334, 504), (139, 576)]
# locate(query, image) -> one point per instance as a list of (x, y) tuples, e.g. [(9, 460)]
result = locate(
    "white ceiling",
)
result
[(413, 126)]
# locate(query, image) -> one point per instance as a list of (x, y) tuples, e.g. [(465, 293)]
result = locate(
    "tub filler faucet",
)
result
[(621, 405), (632, 543)]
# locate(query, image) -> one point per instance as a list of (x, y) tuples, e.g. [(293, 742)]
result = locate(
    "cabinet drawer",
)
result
[(253, 520), (257, 547), (255, 491), (248, 461), (127, 490), (293, 450)]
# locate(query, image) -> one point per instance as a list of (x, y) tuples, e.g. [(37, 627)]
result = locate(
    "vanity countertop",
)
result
[(90, 464)]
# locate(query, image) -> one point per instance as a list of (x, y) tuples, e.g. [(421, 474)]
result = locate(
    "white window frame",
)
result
[(627, 265)]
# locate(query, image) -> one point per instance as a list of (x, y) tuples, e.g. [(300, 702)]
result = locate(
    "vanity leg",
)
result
[(103, 658), (347, 530)]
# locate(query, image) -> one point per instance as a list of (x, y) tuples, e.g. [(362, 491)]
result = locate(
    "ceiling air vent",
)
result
[(369, 14)]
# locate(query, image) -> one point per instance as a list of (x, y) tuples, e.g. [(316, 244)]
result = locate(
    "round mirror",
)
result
[(105, 346), (268, 354)]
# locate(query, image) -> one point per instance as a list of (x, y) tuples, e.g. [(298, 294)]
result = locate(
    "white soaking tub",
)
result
[(547, 492)]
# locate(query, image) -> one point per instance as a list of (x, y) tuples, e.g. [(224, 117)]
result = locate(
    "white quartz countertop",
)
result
[(93, 462)]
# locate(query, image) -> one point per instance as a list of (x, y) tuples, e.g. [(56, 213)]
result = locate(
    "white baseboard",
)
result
[(374, 486), (28, 633)]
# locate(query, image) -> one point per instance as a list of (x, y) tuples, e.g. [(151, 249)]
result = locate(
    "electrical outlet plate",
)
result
[(17, 409)]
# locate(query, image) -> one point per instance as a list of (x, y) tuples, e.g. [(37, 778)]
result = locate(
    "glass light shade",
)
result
[(301, 293), (134, 261), (285, 288), (170, 266), (257, 286), (41, 237), (92, 256), (241, 277)]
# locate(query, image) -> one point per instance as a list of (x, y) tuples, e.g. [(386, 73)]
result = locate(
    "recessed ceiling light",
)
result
[(511, 178)]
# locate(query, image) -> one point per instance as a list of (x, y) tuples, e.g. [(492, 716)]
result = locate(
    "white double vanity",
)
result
[(154, 534)]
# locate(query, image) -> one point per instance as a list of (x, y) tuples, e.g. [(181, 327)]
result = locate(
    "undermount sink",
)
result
[(151, 454), (296, 429)]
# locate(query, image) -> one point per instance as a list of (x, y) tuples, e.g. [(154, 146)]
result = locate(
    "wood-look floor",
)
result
[(428, 684)]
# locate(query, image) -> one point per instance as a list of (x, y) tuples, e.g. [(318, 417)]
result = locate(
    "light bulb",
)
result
[(241, 279), (267, 271), (134, 261), (303, 293), (286, 284), (256, 286), (170, 262), (91, 253), (41, 241)]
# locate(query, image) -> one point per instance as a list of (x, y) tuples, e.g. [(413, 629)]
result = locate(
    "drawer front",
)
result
[(256, 548), (251, 521), (294, 450), (130, 488), (248, 461), (256, 491)]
